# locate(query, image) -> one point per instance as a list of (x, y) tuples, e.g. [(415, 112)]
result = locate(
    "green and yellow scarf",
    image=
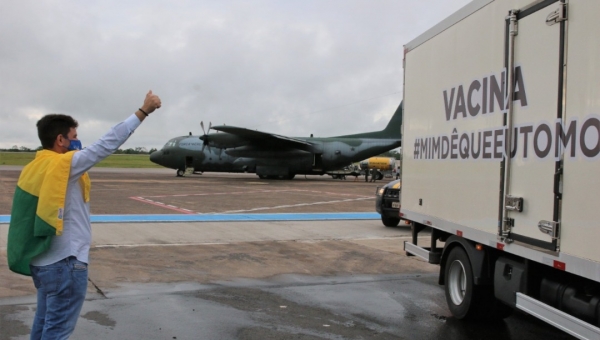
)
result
[(38, 207)]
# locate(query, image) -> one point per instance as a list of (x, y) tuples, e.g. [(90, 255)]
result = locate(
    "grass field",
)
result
[(112, 161)]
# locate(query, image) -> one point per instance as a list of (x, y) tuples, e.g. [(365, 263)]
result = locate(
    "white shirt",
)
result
[(77, 230)]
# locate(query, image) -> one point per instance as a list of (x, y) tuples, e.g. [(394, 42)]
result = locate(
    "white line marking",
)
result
[(258, 191), (292, 205), (235, 242), (144, 199)]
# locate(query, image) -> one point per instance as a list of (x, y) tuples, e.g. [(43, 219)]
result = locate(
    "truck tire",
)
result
[(390, 221), (464, 298), (459, 283)]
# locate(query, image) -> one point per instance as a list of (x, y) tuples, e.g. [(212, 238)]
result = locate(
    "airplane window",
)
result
[(169, 144)]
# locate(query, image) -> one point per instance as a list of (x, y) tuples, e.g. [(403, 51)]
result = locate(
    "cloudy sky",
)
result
[(326, 67)]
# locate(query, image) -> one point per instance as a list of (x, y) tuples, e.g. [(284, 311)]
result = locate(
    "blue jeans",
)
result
[(61, 289)]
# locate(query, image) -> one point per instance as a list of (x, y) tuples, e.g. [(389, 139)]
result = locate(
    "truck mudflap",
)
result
[(558, 319)]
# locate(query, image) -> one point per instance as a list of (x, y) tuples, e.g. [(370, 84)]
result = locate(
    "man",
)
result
[(50, 232), (374, 174)]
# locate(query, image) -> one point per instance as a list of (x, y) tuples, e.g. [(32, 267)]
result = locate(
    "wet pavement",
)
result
[(285, 307)]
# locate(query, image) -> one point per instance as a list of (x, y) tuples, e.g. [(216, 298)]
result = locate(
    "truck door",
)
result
[(535, 39)]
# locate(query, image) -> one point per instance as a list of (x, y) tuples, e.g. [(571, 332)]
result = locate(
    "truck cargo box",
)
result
[(455, 108), (501, 131)]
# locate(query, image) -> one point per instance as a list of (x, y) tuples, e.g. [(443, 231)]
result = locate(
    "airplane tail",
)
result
[(391, 131)]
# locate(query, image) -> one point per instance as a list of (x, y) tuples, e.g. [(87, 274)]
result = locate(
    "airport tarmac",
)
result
[(158, 191), (250, 279)]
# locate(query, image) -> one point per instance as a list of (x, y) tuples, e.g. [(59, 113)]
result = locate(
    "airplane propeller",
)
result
[(204, 137)]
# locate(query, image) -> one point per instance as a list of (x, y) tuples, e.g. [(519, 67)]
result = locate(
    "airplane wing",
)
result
[(258, 136)]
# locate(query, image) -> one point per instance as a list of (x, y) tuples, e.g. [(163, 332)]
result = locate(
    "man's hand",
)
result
[(151, 103)]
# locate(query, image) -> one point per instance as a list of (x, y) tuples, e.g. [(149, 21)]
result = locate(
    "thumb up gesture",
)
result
[(151, 102)]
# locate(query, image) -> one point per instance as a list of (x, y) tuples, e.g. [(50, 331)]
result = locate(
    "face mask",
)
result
[(74, 144)]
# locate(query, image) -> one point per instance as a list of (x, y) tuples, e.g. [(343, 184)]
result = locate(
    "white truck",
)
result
[(501, 159)]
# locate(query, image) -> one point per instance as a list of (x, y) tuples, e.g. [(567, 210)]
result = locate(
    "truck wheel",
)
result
[(390, 221), (464, 298), (459, 288)]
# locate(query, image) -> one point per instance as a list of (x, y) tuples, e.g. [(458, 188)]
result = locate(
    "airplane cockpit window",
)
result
[(170, 144)]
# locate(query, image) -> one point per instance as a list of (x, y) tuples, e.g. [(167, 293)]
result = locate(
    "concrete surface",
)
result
[(248, 280)]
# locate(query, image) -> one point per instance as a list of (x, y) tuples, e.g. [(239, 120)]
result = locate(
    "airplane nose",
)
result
[(155, 156)]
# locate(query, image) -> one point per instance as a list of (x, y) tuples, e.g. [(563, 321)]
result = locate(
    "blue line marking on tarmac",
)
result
[(4, 219)]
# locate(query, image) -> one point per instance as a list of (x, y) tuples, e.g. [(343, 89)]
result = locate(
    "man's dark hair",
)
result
[(53, 125)]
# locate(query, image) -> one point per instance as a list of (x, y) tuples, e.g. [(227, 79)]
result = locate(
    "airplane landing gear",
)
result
[(180, 173)]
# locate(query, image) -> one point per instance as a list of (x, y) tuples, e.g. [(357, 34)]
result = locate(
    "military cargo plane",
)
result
[(272, 156)]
